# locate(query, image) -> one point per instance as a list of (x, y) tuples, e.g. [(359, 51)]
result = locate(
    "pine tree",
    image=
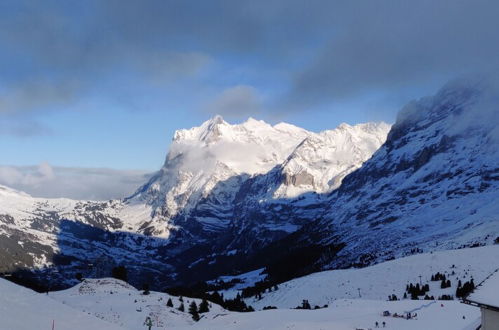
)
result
[(79, 276), (169, 303), (216, 298), (120, 273), (459, 292), (193, 310), (145, 287), (203, 306), (305, 304), (181, 307)]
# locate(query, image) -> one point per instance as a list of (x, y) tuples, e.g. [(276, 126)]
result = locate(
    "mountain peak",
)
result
[(208, 131), (215, 120), (344, 126)]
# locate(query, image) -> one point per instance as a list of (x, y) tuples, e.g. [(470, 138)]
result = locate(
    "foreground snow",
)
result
[(117, 302), (23, 309), (352, 314)]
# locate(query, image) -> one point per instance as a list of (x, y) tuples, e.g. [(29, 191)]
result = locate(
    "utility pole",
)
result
[(359, 292)]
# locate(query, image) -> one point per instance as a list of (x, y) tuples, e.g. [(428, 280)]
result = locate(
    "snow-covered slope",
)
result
[(353, 314), (119, 303), (391, 277), (23, 309)]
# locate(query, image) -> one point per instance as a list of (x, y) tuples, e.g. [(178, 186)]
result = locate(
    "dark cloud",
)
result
[(24, 128), (236, 102), (29, 95), (77, 183), (385, 46), (57, 52)]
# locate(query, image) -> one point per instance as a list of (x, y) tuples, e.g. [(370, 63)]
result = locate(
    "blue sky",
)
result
[(106, 83)]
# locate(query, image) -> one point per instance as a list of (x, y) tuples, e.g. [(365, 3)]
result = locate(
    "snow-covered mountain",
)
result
[(223, 189), (200, 182)]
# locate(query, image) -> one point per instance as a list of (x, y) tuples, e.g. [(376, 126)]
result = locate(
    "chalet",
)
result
[(486, 296)]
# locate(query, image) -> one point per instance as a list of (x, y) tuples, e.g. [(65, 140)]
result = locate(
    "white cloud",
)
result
[(77, 183)]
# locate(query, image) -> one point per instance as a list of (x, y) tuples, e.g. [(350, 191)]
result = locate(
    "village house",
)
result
[(486, 296)]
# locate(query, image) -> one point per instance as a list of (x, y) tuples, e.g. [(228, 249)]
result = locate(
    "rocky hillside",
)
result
[(433, 185)]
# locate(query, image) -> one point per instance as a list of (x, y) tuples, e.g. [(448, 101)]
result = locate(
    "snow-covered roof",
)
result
[(487, 293)]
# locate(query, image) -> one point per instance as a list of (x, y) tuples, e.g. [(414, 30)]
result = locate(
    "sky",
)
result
[(101, 85)]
